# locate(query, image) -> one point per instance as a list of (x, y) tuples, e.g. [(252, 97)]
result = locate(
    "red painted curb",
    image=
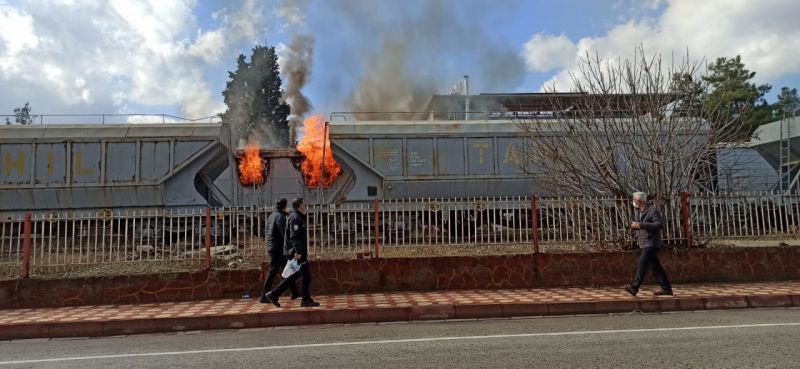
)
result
[(479, 311), (524, 309), (23, 331), (238, 321), (570, 308), (391, 314), (124, 327), (334, 316), (607, 307), (769, 301), (388, 314), (432, 312), (726, 302), (691, 303)]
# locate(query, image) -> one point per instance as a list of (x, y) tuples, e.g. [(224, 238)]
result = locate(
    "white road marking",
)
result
[(408, 340)]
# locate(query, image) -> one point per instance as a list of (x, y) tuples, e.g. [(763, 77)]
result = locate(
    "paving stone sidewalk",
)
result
[(107, 320)]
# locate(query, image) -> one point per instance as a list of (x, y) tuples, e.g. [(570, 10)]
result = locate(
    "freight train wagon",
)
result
[(166, 166)]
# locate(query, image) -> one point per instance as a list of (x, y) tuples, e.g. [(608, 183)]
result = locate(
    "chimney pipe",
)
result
[(466, 98)]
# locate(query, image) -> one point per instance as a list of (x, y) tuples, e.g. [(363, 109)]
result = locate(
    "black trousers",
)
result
[(649, 261), (289, 282), (276, 263)]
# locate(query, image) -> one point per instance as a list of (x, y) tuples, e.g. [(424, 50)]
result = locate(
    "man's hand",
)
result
[(298, 257), (635, 225)]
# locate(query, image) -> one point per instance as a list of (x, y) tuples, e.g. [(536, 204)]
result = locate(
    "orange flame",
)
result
[(311, 147), (251, 168)]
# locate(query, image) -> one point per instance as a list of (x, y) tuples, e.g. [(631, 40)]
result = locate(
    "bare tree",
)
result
[(626, 126), (629, 125)]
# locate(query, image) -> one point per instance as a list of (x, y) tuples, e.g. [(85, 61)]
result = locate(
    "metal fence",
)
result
[(579, 223), (746, 215), (71, 241), (122, 242)]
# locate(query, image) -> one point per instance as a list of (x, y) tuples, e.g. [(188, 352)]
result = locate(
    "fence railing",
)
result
[(745, 216), (126, 241), (107, 119), (72, 241)]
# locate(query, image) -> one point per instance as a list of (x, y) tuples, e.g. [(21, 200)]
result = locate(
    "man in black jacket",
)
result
[(648, 229), (296, 246), (276, 232)]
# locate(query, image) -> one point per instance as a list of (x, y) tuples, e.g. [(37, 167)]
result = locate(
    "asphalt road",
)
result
[(767, 338)]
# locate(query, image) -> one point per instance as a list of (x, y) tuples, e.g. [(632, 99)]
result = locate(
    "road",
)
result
[(767, 338)]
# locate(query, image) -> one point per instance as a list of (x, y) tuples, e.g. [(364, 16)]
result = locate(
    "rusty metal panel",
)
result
[(185, 149), (359, 147), (121, 162), (283, 180), (155, 160), (389, 156), (510, 155), (51, 163), (420, 156), (15, 164), (450, 156), (86, 162), (480, 156)]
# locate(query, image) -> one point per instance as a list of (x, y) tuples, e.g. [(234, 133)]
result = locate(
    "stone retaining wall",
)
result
[(415, 274)]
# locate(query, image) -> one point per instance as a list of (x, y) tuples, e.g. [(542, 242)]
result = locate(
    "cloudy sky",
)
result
[(172, 56)]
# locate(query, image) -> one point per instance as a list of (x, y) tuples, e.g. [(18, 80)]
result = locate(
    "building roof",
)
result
[(531, 102)]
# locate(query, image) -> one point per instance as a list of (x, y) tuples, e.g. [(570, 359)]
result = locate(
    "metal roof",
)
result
[(115, 131), (539, 101)]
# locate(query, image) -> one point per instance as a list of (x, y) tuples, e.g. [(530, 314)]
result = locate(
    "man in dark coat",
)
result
[(296, 246), (276, 232), (648, 229)]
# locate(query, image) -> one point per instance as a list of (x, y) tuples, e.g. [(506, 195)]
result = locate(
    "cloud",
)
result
[(544, 52), (16, 31), (293, 12), (66, 56), (764, 33), (244, 25)]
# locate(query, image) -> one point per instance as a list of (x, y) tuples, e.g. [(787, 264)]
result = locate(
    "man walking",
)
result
[(296, 246), (648, 229), (276, 232)]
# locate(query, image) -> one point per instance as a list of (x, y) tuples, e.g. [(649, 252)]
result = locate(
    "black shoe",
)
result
[(272, 298), (309, 303), (629, 289), (263, 300), (295, 296), (663, 292)]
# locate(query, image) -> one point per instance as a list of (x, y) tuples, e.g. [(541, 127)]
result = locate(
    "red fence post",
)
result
[(208, 238), (534, 224), (26, 248), (377, 230), (687, 230)]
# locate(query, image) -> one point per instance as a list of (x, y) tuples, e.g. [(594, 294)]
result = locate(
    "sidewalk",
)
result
[(111, 320)]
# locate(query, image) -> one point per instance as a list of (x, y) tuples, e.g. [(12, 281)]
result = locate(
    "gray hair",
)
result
[(640, 195)]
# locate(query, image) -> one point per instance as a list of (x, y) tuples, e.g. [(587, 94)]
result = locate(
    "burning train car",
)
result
[(45, 168)]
